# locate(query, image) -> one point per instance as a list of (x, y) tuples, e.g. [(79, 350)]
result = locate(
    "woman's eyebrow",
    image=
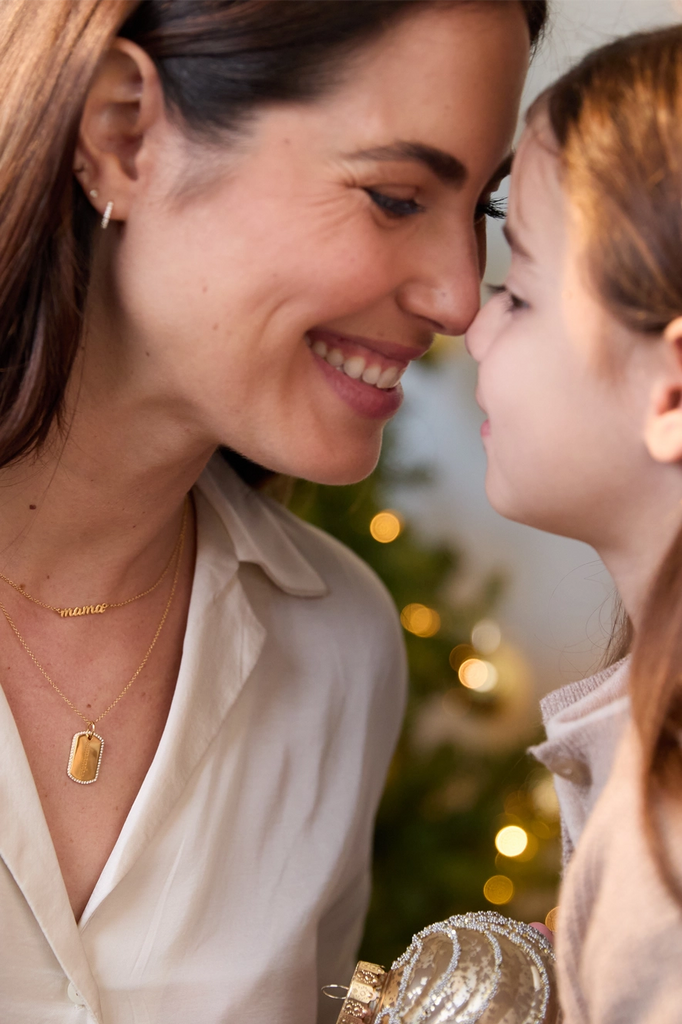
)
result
[(445, 166)]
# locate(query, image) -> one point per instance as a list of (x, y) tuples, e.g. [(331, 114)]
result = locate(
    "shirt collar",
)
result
[(257, 527)]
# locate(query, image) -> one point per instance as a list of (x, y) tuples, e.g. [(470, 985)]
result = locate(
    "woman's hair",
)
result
[(218, 60), (617, 122)]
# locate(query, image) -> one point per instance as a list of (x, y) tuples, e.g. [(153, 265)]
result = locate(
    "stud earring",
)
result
[(93, 192), (107, 214)]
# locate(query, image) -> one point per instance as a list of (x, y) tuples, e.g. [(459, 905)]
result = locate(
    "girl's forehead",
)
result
[(538, 205)]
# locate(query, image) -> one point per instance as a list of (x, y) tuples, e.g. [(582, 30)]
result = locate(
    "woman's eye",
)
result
[(494, 208), (513, 303), (392, 206)]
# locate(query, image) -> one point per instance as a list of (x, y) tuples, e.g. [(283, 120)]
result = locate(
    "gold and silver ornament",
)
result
[(478, 968)]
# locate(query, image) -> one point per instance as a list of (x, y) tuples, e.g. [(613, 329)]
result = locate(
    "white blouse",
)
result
[(239, 882)]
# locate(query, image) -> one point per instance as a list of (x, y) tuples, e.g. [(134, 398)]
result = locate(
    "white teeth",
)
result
[(389, 378), (371, 374), (354, 367)]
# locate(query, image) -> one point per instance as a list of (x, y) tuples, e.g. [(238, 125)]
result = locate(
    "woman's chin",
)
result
[(339, 463)]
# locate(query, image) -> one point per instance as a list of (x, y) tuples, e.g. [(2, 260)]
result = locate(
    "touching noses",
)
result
[(444, 286)]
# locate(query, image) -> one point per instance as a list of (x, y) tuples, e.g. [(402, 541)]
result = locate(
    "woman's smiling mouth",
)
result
[(370, 369), (364, 373)]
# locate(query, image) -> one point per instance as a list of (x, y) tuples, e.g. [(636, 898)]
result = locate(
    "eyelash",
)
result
[(513, 302), (496, 209), (392, 207)]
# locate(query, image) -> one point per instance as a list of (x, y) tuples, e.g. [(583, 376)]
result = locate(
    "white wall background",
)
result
[(556, 605)]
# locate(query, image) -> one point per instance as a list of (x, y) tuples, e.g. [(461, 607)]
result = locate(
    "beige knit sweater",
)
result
[(619, 937)]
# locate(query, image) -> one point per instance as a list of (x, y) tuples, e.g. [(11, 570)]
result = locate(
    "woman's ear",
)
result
[(663, 432), (125, 100)]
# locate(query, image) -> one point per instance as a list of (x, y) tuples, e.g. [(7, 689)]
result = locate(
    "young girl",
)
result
[(580, 359)]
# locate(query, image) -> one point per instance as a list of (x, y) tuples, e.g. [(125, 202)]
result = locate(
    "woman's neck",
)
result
[(95, 515)]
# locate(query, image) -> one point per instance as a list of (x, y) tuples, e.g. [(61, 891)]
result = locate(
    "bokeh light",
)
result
[(545, 799), (420, 620), (478, 675), (459, 654), (498, 889), (511, 840), (486, 636), (386, 526)]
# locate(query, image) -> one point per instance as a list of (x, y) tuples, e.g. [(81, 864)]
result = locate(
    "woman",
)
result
[(223, 224), (580, 373)]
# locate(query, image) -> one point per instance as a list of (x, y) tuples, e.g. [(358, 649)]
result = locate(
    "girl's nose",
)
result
[(480, 333), (445, 287)]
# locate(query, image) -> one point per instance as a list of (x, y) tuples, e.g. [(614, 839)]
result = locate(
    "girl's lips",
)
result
[(485, 428)]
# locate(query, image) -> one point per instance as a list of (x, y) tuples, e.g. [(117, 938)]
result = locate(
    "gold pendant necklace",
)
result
[(87, 746), (92, 609)]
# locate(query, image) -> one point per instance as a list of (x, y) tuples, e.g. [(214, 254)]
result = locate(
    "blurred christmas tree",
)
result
[(460, 775)]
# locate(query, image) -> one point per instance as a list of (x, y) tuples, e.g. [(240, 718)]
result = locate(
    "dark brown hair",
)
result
[(617, 121), (217, 60)]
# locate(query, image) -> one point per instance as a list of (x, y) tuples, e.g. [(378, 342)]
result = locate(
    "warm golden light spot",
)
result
[(486, 636), (511, 840), (478, 675), (386, 526), (545, 800), (459, 654), (551, 919), (498, 889), (420, 620)]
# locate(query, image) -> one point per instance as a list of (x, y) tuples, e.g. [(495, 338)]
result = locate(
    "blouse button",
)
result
[(572, 770), (74, 995)]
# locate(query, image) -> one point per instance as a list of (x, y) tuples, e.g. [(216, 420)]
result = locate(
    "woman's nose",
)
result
[(445, 286)]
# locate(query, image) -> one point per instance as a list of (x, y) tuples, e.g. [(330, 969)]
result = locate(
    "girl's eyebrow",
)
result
[(515, 245)]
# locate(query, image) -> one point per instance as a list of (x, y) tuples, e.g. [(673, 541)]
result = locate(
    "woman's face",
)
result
[(566, 388), (271, 294)]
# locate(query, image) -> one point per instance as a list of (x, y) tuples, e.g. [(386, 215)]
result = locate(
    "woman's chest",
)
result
[(88, 775)]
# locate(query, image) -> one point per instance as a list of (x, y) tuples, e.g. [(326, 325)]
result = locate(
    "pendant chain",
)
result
[(91, 722), (95, 609)]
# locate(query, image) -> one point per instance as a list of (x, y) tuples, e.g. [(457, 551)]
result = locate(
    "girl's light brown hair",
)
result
[(617, 121), (217, 60)]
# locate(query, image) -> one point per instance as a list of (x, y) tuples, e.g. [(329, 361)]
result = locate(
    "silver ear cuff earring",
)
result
[(107, 214)]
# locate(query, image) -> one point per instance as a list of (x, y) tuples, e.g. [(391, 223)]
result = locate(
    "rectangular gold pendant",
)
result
[(85, 757)]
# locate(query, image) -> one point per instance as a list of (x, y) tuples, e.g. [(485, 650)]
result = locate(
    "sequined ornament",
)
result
[(478, 968)]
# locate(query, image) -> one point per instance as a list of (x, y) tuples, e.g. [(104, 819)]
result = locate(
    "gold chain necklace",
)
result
[(87, 747), (93, 609)]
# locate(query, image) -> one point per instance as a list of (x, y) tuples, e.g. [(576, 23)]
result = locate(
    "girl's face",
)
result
[(273, 304), (564, 386)]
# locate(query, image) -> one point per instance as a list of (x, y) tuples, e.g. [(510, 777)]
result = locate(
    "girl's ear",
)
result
[(124, 102), (663, 432)]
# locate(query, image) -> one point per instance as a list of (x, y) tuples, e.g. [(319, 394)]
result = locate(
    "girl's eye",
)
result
[(393, 207), (512, 302), (493, 208)]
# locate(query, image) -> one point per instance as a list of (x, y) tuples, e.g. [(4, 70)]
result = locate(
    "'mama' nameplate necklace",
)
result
[(87, 746), (92, 609)]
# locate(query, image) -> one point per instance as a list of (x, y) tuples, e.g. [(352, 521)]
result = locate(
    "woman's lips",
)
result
[(364, 373), (485, 428)]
